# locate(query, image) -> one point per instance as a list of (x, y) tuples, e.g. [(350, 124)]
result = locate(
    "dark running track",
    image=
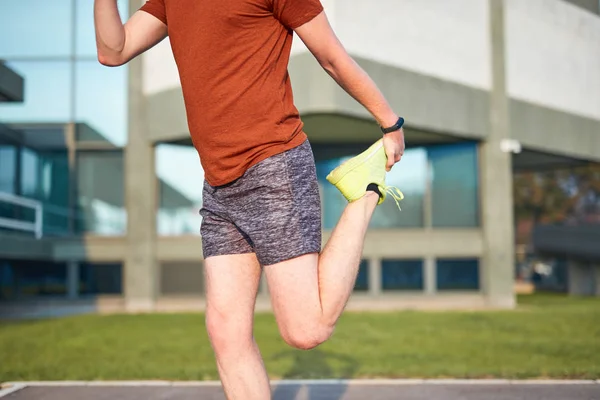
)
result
[(312, 391)]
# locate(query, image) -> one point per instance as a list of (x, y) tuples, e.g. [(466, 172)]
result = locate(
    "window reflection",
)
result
[(181, 180), (31, 28), (47, 93), (402, 275), (45, 177), (454, 185), (32, 278), (100, 198), (450, 171), (8, 168), (8, 178), (97, 279), (101, 100), (455, 274), (410, 176), (362, 280)]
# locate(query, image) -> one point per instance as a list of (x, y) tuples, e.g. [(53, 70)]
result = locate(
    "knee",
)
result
[(306, 339), (225, 333)]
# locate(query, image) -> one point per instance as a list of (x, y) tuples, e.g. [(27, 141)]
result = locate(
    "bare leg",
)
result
[(231, 286), (310, 292)]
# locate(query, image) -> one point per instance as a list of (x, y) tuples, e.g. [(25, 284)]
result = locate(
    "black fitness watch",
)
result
[(395, 127)]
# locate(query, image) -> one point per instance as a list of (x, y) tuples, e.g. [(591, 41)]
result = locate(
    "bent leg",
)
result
[(309, 293)]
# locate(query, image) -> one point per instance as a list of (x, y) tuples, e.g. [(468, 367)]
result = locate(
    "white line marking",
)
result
[(129, 383), (52, 383), (359, 382), (196, 383), (390, 382), (552, 382), (10, 388), (466, 382)]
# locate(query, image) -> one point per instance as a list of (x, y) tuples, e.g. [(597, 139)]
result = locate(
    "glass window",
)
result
[(24, 278), (8, 280), (100, 279), (47, 93), (333, 203), (362, 280), (181, 181), (35, 28), (101, 102), (410, 176), (457, 274), (8, 168), (402, 275), (85, 36), (8, 179), (100, 198), (455, 197), (45, 177)]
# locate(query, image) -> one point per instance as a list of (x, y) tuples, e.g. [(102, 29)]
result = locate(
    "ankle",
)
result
[(373, 188)]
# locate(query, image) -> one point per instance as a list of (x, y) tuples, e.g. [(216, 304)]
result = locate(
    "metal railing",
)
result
[(35, 226)]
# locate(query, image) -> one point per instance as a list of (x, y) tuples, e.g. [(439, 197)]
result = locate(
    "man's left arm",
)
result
[(319, 38)]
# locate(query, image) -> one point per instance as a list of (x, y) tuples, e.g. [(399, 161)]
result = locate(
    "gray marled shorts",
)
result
[(273, 210)]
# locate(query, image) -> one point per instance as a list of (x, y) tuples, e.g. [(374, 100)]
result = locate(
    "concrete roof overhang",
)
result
[(12, 85), (436, 111)]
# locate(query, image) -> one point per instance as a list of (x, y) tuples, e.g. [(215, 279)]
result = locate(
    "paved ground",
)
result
[(323, 391)]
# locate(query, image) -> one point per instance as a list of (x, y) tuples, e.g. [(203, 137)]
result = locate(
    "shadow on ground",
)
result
[(315, 364)]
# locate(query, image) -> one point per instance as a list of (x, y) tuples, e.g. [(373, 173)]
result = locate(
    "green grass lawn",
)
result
[(547, 336)]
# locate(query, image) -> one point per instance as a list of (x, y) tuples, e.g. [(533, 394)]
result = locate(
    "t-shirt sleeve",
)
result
[(157, 9), (295, 13)]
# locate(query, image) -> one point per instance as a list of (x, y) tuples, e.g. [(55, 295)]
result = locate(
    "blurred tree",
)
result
[(559, 196)]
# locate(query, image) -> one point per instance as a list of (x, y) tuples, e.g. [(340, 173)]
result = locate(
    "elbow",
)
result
[(334, 67), (110, 60), (328, 66)]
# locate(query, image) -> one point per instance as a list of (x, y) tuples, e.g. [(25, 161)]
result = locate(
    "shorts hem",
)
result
[(290, 256), (226, 253)]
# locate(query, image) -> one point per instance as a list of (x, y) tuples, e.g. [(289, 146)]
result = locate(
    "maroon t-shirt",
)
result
[(232, 57)]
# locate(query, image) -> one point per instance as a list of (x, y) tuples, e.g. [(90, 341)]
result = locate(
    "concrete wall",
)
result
[(553, 55), (446, 40), (450, 42), (440, 38)]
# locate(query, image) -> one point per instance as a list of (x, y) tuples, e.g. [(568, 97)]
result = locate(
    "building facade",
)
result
[(104, 153)]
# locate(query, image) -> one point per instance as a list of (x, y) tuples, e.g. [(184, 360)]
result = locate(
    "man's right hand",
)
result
[(116, 43), (394, 147)]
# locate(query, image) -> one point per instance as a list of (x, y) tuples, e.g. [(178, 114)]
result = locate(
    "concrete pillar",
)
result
[(375, 276), (141, 266), (496, 179), (72, 280), (430, 276)]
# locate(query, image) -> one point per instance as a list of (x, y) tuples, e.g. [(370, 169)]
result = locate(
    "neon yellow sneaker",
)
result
[(354, 175)]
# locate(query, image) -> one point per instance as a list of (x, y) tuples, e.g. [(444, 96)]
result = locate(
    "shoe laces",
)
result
[(396, 194)]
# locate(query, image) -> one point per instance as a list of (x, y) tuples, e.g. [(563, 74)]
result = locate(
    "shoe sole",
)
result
[(340, 172)]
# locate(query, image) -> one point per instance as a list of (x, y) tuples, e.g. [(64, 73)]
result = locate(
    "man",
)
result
[(261, 204)]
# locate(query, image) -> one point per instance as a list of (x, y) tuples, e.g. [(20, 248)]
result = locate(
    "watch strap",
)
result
[(395, 127)]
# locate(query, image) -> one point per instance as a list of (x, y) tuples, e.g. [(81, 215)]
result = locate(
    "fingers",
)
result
[(391, 157)]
